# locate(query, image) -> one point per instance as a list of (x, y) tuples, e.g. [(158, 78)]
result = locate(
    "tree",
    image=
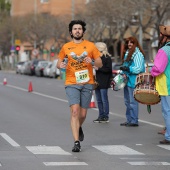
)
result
[(114, 20), (5, 7)]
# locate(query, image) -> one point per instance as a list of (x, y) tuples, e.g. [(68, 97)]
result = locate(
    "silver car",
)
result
[(54, 71), (47, 69), (18, 67), (40, 68)]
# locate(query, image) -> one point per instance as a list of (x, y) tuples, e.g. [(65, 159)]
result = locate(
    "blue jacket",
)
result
[(136, 65)]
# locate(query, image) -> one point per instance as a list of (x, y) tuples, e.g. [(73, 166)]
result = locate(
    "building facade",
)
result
[(53, 7)]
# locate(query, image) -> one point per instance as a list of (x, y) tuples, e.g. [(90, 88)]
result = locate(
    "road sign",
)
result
[(35, 52), (17, 42), (12, 49)]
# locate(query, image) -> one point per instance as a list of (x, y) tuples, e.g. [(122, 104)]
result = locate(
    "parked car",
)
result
[(24, 67), (27, 66), (34, 63), (54, 71), (47, 69), (40, 68), (18, 67)]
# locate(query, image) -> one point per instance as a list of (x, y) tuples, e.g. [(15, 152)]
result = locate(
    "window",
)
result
[(44, 1)]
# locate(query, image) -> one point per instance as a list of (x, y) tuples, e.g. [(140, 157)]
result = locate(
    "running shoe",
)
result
[(76, 147)]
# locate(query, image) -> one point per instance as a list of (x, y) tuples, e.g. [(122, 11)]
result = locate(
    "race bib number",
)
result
[(82, 76)]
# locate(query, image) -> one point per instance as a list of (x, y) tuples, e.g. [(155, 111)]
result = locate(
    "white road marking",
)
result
[(18, 88), (150, 123), (55, 98), (143, 121), (165, 146), (117, 150), (64, 163), (59, 99), (9, 140), (40, 94), (50, 150), (133, 158), (149, 163)]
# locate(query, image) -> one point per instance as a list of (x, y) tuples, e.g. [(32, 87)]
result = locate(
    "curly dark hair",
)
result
[(73, 22), (132, 50)]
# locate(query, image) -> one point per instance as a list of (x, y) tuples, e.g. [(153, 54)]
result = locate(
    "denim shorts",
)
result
[(79, 94)]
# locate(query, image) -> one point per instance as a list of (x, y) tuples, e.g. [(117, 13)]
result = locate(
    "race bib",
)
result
[(82, 76)]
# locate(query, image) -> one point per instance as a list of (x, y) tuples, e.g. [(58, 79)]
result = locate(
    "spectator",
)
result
[(103, 77), (161, 70), (133, 64)]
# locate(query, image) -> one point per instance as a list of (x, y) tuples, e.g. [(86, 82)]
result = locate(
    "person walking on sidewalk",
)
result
[(103, 77), (76, 56), (161, 70)]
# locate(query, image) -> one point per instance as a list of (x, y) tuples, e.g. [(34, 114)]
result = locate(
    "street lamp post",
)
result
[(140, 29)]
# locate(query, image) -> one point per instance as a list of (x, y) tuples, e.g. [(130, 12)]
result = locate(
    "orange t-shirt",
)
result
[(77, 71)]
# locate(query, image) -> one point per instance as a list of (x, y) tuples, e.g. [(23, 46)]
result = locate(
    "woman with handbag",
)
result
[(103, 77)]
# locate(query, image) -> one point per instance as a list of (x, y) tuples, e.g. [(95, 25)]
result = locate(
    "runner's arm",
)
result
[(61, 64), (98, 62)]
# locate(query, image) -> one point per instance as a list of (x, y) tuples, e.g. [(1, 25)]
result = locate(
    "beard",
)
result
[(78, 38)]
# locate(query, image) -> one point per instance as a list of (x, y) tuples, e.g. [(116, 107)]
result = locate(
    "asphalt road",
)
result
[(35, 131)]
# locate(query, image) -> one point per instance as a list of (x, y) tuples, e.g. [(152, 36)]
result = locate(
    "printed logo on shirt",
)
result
[(71, 48), (80, 58)]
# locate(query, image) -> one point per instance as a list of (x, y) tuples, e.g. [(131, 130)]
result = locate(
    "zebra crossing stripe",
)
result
[(49, 150), (9, 140), (132, 158), (64, 163), (148, 163), (117, 150), (165, 147)]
